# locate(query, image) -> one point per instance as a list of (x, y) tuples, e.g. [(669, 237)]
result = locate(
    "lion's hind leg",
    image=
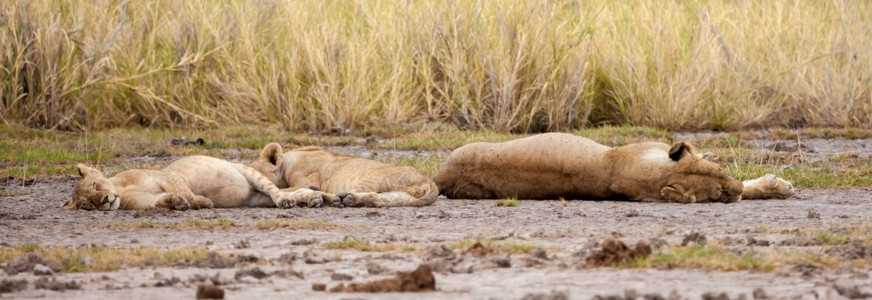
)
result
[(767, 187)]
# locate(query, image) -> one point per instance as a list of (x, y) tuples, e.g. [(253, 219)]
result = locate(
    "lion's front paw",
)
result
[(286, 200), (179, 202)]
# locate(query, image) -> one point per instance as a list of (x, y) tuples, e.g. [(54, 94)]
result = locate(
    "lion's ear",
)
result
[(272, 153), (86, 170), (677, 193), (681, 150), (69, 205)]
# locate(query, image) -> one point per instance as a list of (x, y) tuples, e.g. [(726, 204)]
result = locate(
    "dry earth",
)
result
[(285, 262)]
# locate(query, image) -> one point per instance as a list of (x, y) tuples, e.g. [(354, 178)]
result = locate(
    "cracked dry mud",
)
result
[(283, 262)]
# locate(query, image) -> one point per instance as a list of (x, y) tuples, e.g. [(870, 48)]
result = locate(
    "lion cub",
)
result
[(354, 181), (191, 182), (553, 165)]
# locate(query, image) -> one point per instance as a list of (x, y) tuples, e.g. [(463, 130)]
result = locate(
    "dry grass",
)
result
[(502, 65), (361, 245), (722, 259), (96, 259)]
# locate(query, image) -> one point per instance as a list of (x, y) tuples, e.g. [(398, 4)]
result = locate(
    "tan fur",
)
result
[(553, 165), (190, 182), (354, 181)]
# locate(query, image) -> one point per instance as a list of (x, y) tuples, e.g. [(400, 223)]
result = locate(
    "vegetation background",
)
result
[(503, 65)]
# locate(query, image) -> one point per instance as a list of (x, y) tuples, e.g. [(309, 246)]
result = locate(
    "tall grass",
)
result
[(510, 66)]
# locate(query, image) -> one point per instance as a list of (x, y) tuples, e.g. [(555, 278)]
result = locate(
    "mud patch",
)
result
[(419, 280), (615, 252), (53, 284), (852, 250), (12, 285), (32, 262)]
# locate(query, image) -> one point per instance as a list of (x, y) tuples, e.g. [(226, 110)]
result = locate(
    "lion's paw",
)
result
[(312, 198), (768, 186), (179, 202), (286, 200)]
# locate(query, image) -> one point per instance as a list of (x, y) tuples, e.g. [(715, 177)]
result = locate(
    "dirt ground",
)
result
[(285, 262)]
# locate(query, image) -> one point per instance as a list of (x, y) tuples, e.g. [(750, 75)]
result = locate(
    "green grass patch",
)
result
[(508, 202), (841, 235), (505, 247), (294, 224), (99, 259), (361, 245), (719, 259)]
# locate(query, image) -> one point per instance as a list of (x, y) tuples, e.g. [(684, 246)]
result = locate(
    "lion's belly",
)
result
[(213, 178)]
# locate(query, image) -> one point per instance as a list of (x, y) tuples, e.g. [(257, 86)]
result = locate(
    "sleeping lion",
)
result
[(190, 182), (346, 181), (553, 165)]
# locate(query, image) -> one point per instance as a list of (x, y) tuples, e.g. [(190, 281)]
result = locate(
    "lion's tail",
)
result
[(406, 198)]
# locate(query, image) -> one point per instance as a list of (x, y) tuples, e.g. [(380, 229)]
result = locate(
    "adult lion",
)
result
[(190, 182), (354, 181), (552, 165)]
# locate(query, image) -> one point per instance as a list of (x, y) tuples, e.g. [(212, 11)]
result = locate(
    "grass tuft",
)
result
[(99, 259)]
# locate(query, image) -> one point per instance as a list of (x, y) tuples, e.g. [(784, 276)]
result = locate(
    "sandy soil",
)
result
[(289, 261)]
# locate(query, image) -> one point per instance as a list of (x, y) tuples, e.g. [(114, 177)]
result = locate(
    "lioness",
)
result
[(354, 181), (190, 182), (552, 165)]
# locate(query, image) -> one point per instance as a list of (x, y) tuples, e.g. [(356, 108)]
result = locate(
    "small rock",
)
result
[(755, 242), (759, 293), (255, 272), (341, 277), (319, 287), (208, 291), (715, 296), (632, 213), (539, 253), (42, 270)]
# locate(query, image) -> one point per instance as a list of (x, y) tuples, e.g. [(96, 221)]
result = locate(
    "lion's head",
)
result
[(93, 192), (695, 179)]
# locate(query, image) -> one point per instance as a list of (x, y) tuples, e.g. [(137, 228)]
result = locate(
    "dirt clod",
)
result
[(419, 280), (27, 263), (555, 295), (208, 291), (800, 241), (341, 277), (255, 272), (44, 283), (615, 252), (851, 292), (12, 285), (757, 242), (694, 238), (715, 296), (853, 250), (759, 293)]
